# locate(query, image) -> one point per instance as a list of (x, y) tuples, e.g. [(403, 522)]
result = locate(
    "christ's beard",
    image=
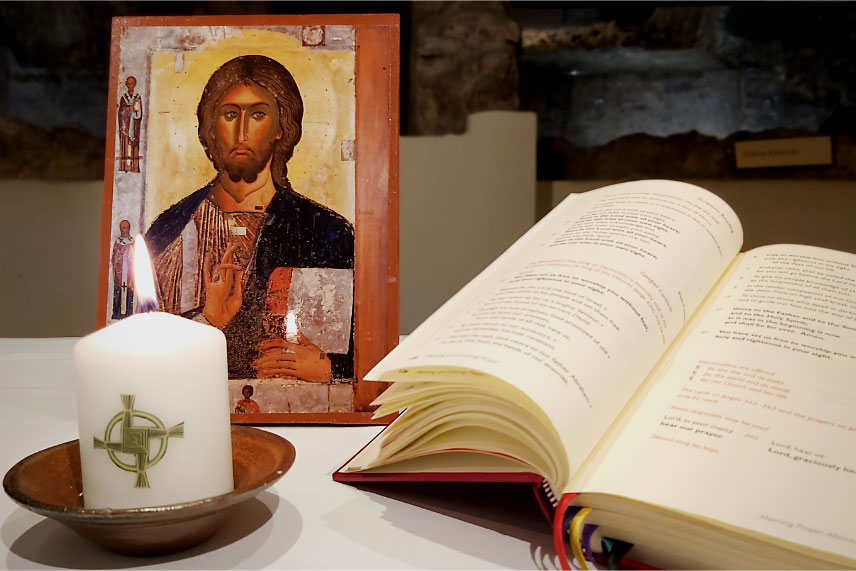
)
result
[(248, 168), (247, 172)]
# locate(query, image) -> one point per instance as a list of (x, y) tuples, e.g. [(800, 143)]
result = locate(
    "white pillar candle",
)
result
[(153, 411)]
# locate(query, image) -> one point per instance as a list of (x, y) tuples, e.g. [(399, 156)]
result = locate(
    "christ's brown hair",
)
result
[(270, 75)]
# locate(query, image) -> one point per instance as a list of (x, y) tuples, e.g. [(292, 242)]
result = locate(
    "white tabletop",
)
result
[(305, 521)]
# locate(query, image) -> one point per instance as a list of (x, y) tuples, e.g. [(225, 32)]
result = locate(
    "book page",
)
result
[(754, 421), (577, 312)]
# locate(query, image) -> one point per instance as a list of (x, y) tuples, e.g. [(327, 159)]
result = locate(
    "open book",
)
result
[(702, 402)]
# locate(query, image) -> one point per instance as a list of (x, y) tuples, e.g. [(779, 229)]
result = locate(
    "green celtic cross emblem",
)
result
[(136, 440)]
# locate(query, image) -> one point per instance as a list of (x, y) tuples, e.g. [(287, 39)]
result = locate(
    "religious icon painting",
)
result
[(257, 156)]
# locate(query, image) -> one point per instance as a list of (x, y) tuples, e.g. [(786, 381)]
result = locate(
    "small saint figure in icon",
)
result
[(122, 261), (130, 118), (247, 405)]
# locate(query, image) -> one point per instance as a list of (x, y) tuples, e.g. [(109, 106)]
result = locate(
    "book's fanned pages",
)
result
[(625, 352)]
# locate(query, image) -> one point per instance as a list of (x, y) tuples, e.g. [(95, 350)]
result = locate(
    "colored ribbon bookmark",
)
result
[(575, 535)]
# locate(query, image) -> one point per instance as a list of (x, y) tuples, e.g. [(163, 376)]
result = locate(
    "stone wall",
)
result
[(463, 60), (665, 90), (684, 155), (595, 73)]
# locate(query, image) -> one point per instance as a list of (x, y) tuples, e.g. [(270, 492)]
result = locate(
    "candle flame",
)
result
[(144, 278)]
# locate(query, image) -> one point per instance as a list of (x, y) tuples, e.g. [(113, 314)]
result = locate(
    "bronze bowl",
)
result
[(49, 484)]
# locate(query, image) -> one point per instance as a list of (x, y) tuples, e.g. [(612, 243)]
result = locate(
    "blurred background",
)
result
[(506, 108)]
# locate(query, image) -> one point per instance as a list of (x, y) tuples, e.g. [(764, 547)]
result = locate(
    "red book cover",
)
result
[(555, 510)]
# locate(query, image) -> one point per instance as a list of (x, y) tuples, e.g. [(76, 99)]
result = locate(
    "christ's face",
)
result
[(246, 128)]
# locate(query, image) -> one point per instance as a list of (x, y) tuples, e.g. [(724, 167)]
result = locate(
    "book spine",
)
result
[(559, 527), (569, 529), (547, 500)]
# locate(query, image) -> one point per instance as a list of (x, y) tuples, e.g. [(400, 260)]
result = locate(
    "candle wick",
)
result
[(148, 305)]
